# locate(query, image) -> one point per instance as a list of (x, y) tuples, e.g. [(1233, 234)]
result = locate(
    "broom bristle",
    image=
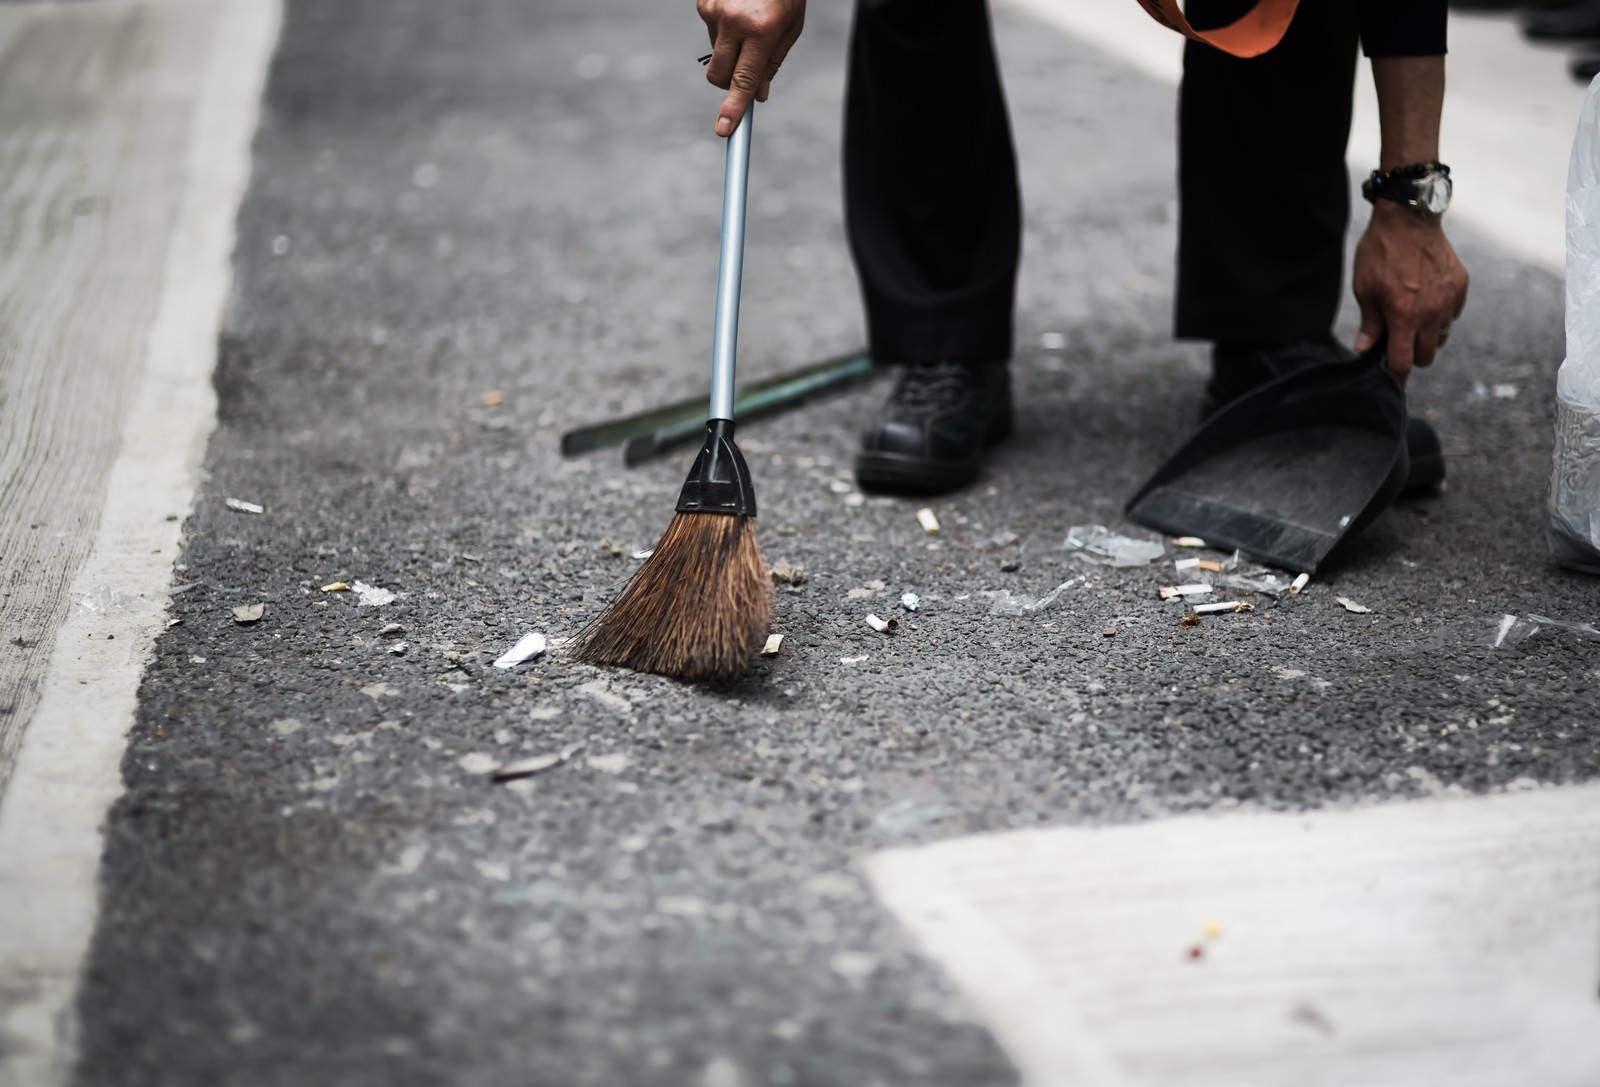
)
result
[(696, 610)]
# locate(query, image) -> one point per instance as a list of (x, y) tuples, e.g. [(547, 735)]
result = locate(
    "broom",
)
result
[(702, 602)]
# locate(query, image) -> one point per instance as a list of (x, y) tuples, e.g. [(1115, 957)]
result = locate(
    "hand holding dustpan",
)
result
[(1292, 469)]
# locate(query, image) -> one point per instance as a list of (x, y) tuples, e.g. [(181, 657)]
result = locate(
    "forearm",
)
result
[(1410, 101)]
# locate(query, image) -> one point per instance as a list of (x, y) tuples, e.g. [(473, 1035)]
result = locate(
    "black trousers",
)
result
[(934, 216)]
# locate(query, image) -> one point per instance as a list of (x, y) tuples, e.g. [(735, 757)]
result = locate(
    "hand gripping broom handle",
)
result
[(719, 481), (730, 269)]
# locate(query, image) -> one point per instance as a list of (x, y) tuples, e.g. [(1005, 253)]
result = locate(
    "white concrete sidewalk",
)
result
[(1440, 942)]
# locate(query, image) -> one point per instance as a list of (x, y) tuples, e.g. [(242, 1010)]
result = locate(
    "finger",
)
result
[(742, 87), (1402, 349), (1427, 345), (724, 54)]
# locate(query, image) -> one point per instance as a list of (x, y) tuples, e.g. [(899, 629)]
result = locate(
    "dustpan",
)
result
[(1292, 469)]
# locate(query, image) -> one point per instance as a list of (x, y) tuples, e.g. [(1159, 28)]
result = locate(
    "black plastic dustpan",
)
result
[(1291, 469)]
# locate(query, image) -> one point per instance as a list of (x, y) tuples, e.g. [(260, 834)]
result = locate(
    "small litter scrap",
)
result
[(1098, 544), (1006, 602), (786, 573), (1191, 542), (883, 626), (910, 601), (774, 643), (530, 646), (371, 596), (336, 587), (521, 768), (928, 521), (1191, 621), (1351, 606), (1176, 592), (246, 614), (239, 505)]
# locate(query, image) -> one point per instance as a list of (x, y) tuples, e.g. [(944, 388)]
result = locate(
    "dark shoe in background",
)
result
[(1572, 22), (931, 434), (1238, 368)]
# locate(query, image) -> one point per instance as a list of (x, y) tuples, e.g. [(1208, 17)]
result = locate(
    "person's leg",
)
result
[(934, 219), (931, 202), (1264, 205), (1264, 193)]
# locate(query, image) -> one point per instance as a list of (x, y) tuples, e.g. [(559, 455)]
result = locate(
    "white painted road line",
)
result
[(1433, 942), (1510, 115), (68, 767)]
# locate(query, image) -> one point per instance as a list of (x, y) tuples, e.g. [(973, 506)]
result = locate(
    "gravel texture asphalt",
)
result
[(474, 225)]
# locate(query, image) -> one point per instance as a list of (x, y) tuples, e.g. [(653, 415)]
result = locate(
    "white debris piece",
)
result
[(1175, 592), (1190, 541), (1300, 583), (535, 763), (245, 614), (774, 643), (883, 626), (1223, 606), (371, 596), (910, 601), (528, 648), (1098, 544), (928, 521), (1351, 606), (646, 553), (1186, 564), (239, 505)]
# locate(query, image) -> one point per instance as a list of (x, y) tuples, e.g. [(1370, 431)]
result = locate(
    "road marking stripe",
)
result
[(68, 769)]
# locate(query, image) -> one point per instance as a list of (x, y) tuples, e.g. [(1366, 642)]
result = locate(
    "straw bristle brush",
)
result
[(700, 606)]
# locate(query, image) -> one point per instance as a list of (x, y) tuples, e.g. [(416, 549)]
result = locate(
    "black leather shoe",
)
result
[(931, 433), (1572, 22), (1238, 368)]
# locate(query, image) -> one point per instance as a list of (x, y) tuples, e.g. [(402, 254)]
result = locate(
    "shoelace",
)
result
[(932, 385)]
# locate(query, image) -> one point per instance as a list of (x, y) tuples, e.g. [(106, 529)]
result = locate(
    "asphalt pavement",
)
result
[(472, 226)]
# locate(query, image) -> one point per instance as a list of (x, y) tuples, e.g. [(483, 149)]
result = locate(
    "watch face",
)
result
[(1433, 193)]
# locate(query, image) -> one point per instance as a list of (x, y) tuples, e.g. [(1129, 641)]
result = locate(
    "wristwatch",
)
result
[(1424, 187)]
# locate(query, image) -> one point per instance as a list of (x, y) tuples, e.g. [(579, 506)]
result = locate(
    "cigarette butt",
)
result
[(883, 626), (1187, 564), (336, 587), (1189, 541), (1300, 583), (774, 643), (929, 523), (1223, 606), (1210, 566)]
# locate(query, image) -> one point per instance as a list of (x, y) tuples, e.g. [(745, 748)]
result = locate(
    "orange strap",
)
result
[(1256, 31)]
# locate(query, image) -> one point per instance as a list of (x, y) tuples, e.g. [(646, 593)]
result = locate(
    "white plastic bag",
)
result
[(1574, 527)]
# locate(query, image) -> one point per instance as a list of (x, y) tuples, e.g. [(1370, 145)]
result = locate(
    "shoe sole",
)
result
[(900, 473)]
